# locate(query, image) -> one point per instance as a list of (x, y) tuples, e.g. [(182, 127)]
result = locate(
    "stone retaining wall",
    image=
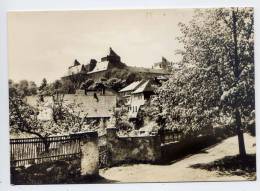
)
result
[(133, 149)]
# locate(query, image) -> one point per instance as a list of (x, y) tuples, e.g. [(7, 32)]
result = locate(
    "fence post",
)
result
[(90, 155)]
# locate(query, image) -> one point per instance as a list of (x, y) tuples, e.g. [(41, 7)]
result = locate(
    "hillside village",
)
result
[(98, 102), (110, 121)]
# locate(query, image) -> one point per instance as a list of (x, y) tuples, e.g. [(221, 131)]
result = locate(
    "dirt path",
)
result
[(181, 170)]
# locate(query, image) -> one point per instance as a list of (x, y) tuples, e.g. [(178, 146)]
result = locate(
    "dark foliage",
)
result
[(232, 165)]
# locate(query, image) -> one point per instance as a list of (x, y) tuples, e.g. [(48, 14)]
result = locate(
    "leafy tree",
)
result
[(131, 77), (68, 87), (215, 84), (13, 87), (23, 117), (87, 84), (57, 85), (115, 83), (23, 87), (32, 88), (43, 84), (119, 115), (99, 85), (66, 118)]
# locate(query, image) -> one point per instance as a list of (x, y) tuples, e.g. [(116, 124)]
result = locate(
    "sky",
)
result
[(44, 44)]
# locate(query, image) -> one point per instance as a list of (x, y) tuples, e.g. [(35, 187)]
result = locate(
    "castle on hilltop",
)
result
[(111, 64), (137, 80)]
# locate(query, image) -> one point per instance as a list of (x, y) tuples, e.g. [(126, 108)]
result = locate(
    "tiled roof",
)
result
[(90, 107), (100, 66), (131, 86), (87, 106)]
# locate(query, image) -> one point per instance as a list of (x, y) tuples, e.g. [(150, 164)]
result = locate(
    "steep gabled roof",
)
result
[(145, 87), (76, 63), (86, 106), (131, 87), (112, 52)]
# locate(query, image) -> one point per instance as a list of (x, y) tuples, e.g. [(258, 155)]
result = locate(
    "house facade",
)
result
[(126, 92), (136, 95)]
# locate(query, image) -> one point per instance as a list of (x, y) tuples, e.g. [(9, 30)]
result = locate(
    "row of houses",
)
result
[(134, 95), (100, 103)]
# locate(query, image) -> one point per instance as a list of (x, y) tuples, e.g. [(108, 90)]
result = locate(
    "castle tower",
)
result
[(112, 57)]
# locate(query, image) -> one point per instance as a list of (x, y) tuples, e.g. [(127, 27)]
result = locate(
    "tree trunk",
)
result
[(241, 143)]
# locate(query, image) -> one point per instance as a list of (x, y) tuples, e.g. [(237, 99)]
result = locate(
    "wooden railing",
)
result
[(34, 151)]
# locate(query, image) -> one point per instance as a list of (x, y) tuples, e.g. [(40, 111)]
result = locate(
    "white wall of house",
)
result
[(136, 100)]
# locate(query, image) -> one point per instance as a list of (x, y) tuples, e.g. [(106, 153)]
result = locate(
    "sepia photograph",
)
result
[(131, 96)]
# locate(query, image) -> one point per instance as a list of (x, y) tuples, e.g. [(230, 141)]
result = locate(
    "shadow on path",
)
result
[(188, 150), (232, 165), (101, 179), (92, 180)]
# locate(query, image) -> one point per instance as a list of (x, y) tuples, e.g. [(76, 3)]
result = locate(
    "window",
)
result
[(136, 108)]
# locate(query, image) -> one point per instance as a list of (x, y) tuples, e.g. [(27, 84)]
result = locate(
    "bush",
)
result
[(124, 128), (225, 131), (251, 129)]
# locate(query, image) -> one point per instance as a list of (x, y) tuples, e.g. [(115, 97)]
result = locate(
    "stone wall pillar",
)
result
[(111, 143), (157, 148), (111, 133), (90, 155)]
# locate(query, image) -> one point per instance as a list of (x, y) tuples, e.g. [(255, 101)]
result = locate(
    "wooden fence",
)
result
[(32, 150)]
